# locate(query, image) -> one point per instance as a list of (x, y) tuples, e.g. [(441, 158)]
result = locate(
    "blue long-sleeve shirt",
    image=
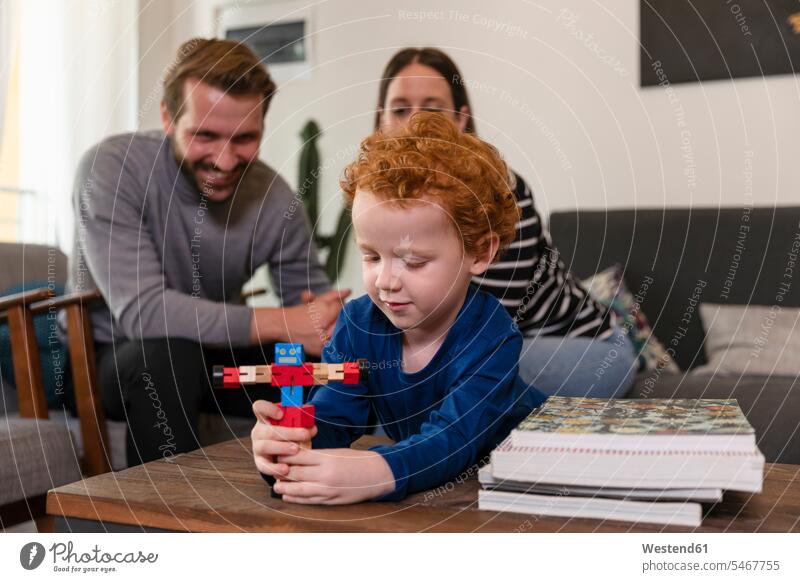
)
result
[(443, 417)]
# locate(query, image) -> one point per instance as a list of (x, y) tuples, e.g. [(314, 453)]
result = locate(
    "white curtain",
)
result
[(8, 40), (78, 84)]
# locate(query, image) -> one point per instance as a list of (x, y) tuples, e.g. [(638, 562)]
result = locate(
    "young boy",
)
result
[(431, 208)]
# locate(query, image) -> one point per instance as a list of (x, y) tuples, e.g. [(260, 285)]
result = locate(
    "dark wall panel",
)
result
[(718, 39)]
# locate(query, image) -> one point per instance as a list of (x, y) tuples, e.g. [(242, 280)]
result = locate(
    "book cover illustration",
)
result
[(637, 417)]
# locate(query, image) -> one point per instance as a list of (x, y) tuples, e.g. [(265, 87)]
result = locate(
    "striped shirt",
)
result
[(533, 284)]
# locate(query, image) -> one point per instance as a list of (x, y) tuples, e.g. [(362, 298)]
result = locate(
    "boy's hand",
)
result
[(270, 441), (333, 476)]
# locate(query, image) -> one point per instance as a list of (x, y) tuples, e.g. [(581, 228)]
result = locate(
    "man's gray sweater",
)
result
[(171, 263)]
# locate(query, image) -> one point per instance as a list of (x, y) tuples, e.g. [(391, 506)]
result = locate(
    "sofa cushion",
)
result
[(686, 256), (769, 403), (754, 339), (28, 262), (609, 289), (35, 456), (8, 397)]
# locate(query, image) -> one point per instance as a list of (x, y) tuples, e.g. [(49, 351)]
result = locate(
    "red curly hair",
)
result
[(431, 157)]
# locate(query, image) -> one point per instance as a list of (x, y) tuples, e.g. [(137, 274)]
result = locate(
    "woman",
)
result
[(572, 346)]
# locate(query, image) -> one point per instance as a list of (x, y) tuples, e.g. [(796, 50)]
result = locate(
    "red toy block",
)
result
[(296, 416), (351, 373), (230, 378), (302, 375), (281, 375)]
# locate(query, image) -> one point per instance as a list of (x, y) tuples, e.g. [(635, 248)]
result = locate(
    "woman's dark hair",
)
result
[(435, 59)]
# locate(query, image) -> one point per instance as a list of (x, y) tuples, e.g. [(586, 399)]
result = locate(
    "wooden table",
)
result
[(217, 489)]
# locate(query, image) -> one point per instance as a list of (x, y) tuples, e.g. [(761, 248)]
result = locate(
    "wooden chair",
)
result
[(40, 452), (19, 310)]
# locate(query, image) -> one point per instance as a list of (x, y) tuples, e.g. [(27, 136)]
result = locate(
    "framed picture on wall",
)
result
[(684, 40), (279, 33)]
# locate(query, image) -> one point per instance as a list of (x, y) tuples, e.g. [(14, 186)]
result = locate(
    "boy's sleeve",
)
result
[(341, 410), (469, 419)]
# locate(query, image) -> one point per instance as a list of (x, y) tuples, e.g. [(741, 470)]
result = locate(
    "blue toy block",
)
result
[(291, 396), (289, 354)]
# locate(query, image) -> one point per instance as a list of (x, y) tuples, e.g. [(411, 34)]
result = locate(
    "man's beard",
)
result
[(192, 171)]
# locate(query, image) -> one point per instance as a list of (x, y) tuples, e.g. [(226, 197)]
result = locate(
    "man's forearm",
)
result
[(309, 323), (266, 325)]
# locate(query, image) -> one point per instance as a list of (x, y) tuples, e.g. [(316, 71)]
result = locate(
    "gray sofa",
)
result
[(722, 256)]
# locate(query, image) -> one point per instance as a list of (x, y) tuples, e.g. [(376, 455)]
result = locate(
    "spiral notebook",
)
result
[(634, 469), (641, 444)]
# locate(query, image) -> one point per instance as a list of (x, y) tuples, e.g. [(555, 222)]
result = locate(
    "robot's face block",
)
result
[(289, 354)]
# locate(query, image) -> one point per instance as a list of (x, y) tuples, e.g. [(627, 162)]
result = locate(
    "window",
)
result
[(10, 192)]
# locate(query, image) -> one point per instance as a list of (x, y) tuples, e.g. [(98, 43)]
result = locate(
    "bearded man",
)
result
[(169, 226)]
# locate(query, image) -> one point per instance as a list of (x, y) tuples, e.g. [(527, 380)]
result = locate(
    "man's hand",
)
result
[(270, 441), (310, 323), (333, 476)]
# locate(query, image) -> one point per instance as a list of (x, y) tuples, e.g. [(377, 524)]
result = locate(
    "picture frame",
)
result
[(279, 33)]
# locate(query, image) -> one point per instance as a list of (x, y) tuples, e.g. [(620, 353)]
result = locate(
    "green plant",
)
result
[(308, 190)]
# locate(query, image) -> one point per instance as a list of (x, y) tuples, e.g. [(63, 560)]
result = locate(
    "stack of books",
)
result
[(648, 461)]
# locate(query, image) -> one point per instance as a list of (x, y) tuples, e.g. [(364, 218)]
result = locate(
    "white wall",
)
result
[(579, 129)]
